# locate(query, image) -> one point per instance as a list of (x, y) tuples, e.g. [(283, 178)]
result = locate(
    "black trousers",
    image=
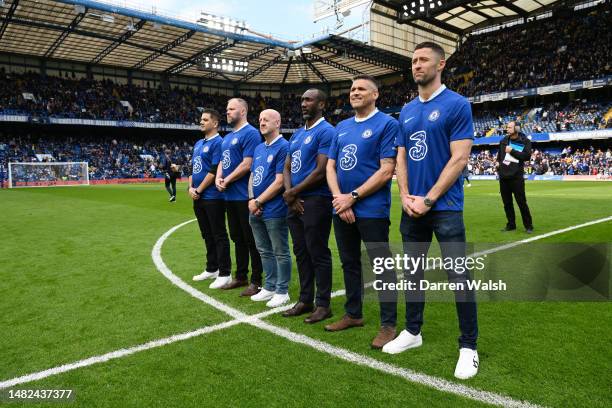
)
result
[(310, 235), (211, 220), (170, 182), (374, 232), (516, 186), (242, 236)]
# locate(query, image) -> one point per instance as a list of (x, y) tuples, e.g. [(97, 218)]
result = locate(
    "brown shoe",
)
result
[(385, 335), (345, 323), (320, 313), (251, 290), (298, 309), (235, 283)]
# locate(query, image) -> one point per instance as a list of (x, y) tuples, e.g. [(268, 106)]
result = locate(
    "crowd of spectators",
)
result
[(588, 161), (107, 159), (579, 114), (566, 47)]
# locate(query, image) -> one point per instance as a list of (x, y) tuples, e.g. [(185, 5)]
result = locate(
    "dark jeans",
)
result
[(211, 219), (242, 236), (310, 235), (374, 232), (417, 234), (170, 183), (516, 186)]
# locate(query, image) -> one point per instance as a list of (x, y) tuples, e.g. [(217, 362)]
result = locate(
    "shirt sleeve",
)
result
[(216, 154), (280, 158), (389, 139), (250, 142), (461, 123), (333, 147), (325, 140)]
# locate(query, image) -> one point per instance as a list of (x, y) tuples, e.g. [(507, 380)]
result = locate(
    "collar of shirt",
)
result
[(272, 142), (240, 128), (211, 138), (374, 112), (321, 119), (433, 95)]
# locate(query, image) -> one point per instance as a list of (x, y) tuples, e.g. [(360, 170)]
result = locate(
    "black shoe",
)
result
[(172, 199), (529, 230), (507, 228)]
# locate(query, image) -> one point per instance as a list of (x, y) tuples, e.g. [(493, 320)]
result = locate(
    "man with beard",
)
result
[(310, 208), (233, 178), (208, 204), (433, 149)]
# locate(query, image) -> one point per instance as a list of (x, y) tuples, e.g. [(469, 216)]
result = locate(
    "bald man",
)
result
[(268, 211), (232, 178)]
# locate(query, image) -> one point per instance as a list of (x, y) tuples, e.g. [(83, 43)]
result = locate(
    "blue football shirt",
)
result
[(304, 147), (357, 148), (206, 153), (235, 147), (427, 129), (269, 161)]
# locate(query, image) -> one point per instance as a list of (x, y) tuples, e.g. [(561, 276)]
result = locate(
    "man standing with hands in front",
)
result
[(514, 150), (359, 171), (433, 149), (233, 178), (208, 203), (310, 208)]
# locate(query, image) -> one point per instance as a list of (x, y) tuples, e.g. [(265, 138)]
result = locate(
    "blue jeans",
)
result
[(417, 234), (272, 241)]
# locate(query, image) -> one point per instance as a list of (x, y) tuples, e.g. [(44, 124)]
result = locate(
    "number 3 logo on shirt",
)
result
[(258, 176), (349, 160), (419, 150), (226, 160), (296, 162)]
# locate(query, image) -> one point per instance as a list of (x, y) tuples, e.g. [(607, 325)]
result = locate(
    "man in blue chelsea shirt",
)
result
[(433, 149), (268, 211), (208, 203), (310, 208), (359, 171), (232, 178)]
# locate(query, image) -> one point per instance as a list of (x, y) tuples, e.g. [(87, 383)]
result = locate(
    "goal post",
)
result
[(37, 174)]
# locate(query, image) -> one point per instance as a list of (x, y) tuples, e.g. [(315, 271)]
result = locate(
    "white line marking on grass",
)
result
[(240, 317)]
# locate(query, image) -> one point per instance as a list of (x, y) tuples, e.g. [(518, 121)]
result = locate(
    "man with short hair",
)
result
[(514, 151), (171, 173), (232, 178), (268, 211), (208, 203), (310, 208), (359, 171), (433, 148)]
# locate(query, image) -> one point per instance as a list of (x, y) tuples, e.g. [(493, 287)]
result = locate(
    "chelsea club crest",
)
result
[(433, 116), (270, 158), (366, 133), (234, 140), (307, 140), (206, 148)]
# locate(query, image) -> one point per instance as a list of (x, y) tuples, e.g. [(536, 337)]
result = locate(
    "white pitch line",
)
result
[(254, 320)]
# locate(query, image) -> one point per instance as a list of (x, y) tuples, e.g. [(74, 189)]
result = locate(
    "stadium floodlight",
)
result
[(420, 8), (226, 24), (48, 174), (223, 64)]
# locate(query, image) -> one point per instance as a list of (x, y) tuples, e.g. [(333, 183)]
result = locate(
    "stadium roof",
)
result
[(455, 18), (100, 33)]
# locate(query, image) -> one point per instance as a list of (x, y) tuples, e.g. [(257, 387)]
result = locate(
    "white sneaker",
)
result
[(278, 300), (262, 295), (403, 342), (469, 185), (206, 275), (220, 281), (467, 365)]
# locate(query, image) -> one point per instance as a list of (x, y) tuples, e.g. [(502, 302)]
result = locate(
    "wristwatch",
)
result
[(257, 204), (428, 202), (355, 195)]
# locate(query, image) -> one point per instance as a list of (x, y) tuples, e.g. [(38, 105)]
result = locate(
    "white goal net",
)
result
[(48, 174)]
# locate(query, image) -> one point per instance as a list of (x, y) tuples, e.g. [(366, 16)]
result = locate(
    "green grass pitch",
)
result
[(77, 280)]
